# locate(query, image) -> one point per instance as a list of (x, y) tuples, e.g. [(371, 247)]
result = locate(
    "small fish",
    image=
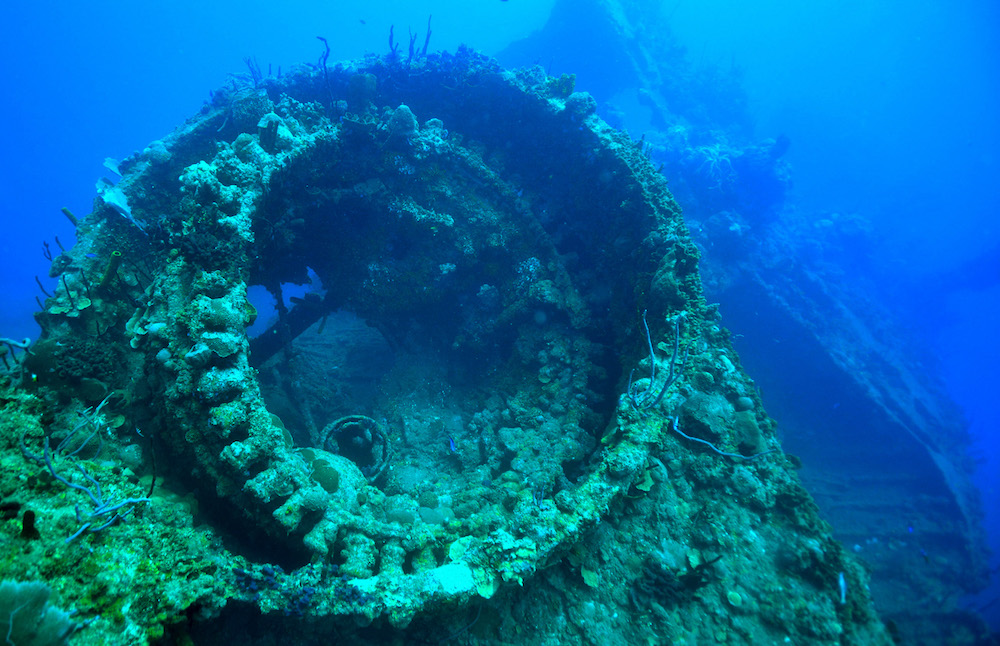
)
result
[(451, 445), (842, 583)]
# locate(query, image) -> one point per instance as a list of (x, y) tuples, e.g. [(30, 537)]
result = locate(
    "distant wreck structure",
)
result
[(404, 346), (884, 450)]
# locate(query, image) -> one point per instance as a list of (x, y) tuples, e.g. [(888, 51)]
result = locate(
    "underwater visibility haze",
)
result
[(570, 321)]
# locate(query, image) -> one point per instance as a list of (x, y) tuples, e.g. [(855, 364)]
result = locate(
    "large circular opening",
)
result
[(463, 338)]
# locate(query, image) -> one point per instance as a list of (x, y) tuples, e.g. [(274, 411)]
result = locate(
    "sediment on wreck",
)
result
[(554, 380)]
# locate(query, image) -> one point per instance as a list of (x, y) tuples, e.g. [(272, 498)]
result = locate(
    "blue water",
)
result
[(890, 107)]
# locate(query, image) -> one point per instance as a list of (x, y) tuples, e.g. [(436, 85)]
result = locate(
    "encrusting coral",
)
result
[(504, 242)]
